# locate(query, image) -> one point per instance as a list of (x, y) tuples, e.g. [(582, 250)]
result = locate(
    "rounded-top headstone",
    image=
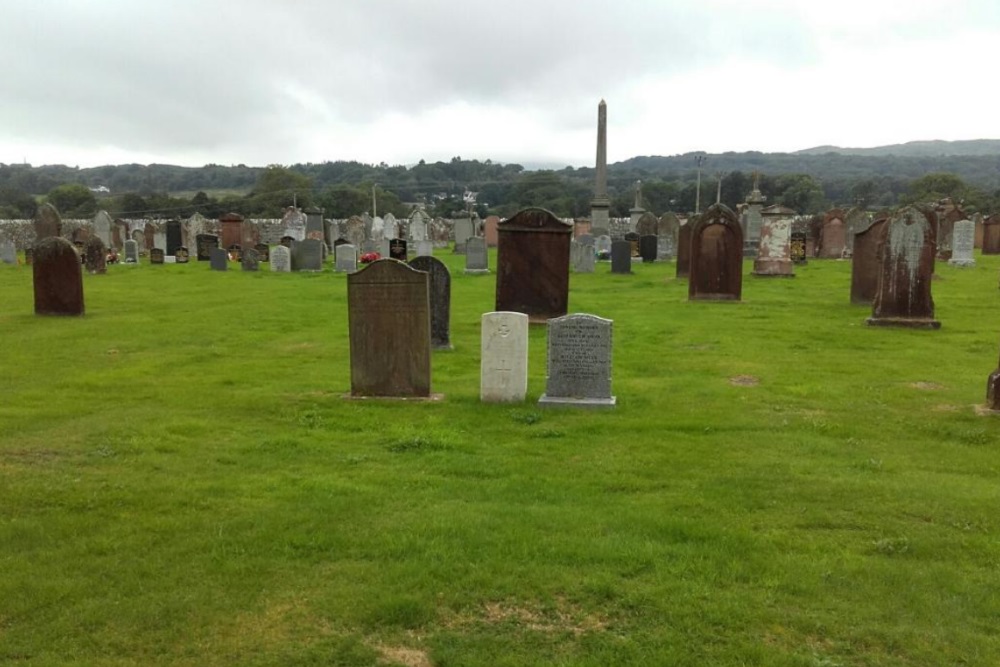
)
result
[(58, 278)]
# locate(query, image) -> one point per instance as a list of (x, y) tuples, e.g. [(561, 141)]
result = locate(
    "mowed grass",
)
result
[(182, 481)]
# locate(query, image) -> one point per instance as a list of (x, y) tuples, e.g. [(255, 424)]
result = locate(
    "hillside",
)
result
[(936, 148)]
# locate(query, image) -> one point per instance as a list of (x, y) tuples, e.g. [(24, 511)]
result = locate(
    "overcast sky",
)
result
[(396, 81)]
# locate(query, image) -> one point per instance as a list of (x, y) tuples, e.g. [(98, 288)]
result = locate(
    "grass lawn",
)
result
[(181, 481)]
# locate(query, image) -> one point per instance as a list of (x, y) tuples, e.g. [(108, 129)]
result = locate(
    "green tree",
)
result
[(939, 185), (278, 188), (73, 200), (800, 192)]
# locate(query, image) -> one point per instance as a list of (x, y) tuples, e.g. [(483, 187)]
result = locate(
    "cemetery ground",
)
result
[(182, 481)]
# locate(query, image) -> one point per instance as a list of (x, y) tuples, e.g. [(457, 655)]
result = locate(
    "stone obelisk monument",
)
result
[(600, 204)]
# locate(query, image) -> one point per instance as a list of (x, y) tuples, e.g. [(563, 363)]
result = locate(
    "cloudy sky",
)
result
[(248, 81)]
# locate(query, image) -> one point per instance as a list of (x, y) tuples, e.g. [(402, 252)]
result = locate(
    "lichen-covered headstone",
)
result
[(281, 259), (503, 357), (182, 255), (578, 362), (48, 222), (250, 260), (95, 255), (58, 278), (774, 250), (906, 264)]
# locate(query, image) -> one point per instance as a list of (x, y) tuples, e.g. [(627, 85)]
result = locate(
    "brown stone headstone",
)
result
[(389, 320), (684, 248), (832, 235), (533, 265), (231, 230), (864, 262), (490, 230), (58, 278), (978, 219), (148, 241), (95, 255), (48, 222), (906, 264), (716, 256), (991, 235)]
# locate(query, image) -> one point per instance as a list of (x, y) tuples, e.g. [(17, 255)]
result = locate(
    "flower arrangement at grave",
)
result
[(369, 257), (604, 254)]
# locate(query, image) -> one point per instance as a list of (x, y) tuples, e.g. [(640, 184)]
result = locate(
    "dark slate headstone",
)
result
[(249, 261), (684, 248), (206, 243), (182, 255), (175, 238), (397, 249), (533, 264), (131, 251), (263, 252), (864, 261), (156, 256), (287, 241), (906, 264), (440, 296), (219, 259), (58, 279), (621, 257), (716, 256), (390, 330), (648, 247), (578, 362), (48, 222), (307, 255)]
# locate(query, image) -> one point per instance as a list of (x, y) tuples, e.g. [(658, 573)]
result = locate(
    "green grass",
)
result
[(181, 482)]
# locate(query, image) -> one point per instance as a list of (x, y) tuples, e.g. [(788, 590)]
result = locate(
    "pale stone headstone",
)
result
[(378, 229), (390, 227), (219, 259), (131, 251), (8, 253), (314, 224), (477, 259), (281, 259), (294, 224), (774, 251), (463, 232), (582, 257), (963, 240), (418, 227), (425, 248), (440, 232), (58, 278), (578, 362), (346, 258), (602, 245), (504, 357), (102, 227)]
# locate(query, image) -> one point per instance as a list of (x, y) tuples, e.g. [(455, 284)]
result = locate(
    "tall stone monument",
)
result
[(754, 218), (600, 204), (635, 213)]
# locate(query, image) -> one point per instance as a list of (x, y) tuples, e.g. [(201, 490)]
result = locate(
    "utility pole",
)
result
[(718, 190), (697, 196)]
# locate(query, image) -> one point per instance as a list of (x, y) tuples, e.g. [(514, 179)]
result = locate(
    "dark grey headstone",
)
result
[(131, 252), (440, 296), (307, 255), (648, 248), (397, 249), (58, 279), (156, 256), (579, 362), (477, 259), (621, 257), (174, 237), (219, 259), (205, 244)]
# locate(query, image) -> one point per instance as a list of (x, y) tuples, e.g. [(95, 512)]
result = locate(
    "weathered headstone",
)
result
[(354, 231), (131, 251), (307, 255), (490, 230), (263, 252), (397, 249), (621, 257), (864, 260), (582, 256), (503, 364), (833, 235), (231, 229), (646, 225), (648, 249), (477, 259), (906, 263), (440, 296), (293, 224), (314, 223), (102, 227), (95, 256), (716, 256), (774, 250), (281, 259), (48, 222), (346, 258), (991, 235), (219, 260), (857, 218), (206, 243), (156, 256), (463, 232), (963, 239), (533, 264), (8, 253), (250, 261), (797, 250), (58, 279), (684, 248), (418, 227), (182, 255), (578, 362), (425, 248), (440, 232), (390, 331)]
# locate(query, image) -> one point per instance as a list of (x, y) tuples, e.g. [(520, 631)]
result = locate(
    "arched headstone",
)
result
[(440, 299), (906, 264), (716, 256), (58, 278), (533, 264)]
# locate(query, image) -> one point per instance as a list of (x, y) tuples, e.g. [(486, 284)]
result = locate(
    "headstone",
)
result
[(182, 255), (477, 259), (206, 243), (397, 249), (440, 299), (156, 256), (354, 231), (293, 222), (621, 257), (58, 279), (390, 331), (633, 240), (684, 248), (418, 227), (646, 225), (991, 235), (533, 264), (263, 252), (716, 256), (440, 232), (993, 391), (48, 222), (833, 235), (307, 255), (281, 259), (963, 239), (490, 230), (797, 247), (346, 258), (95, 255), (586, 239), (906, 263), (463, 232), (582, 257), (102, 227), (390, 229), (378, 229), (146, 238), (503, 362), (314, 224), (578, 369), (219, 260), (857, 218), (8, 253), (131, 251), (250, 260), (648, 249), (602, 245), (864, 260), (288, 241), (425, 248), (174, 237), (774, 250), (160, 239)]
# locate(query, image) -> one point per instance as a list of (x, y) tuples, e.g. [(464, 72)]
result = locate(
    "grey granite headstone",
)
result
[(578, 362), (440, 299), (102, 227), (665, 247), (131, 252), (582, 257), (8, 253), (307, 255), (621, 257), (586, 239), (963, 239), (281, 259), (477, 259), (425, 248), (219, 259), (463, 231), (250, 260), (347, 258)]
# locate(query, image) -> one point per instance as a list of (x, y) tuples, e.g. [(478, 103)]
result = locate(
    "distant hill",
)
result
[(915, 149)]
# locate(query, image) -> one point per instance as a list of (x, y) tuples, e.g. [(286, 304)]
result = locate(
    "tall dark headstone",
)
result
[(58, 278), (397, 249), (307, 255), (716, 256), (390, 330), (991, 235), (219, 259), (648, 246), (533, 264), (95, 255), (864, 260), (684, 248), (440, 299), (906, 264), (206, 243), (175, 237), (621, 257)]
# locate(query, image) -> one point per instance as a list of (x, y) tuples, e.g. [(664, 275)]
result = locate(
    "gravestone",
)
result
[(864, 260), (533, 264), (633, 240), (774, 250), (797, 247), (440, 299), (390, 229), (503, 361), (425, 248), (250, 261), (219, 260), (602, 245), (314, 224), (857, 218), (648, 247), (477, 259), (288, 241), (832, 235), (586, 240), (490, 230), (231, 229), (963, 240), (131, 251), (906, 263), (991, 235), (95, 255), (418, 227), (156, 256), (370, 246), (263, 252), (397, 249), (8, 253), (58, 279), (716, 256), (281, 259), (307, 255), (583, 258), (293, 224), (390, 331), (102, 227), (48, 222), (346, 258), (440, 232), (993, 391), (463, 232), (684, 248), (174, 237), (578, 367), (378, 229), (354, 231), (182, 255), (205, 244), (621, 257), (646, 225)]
